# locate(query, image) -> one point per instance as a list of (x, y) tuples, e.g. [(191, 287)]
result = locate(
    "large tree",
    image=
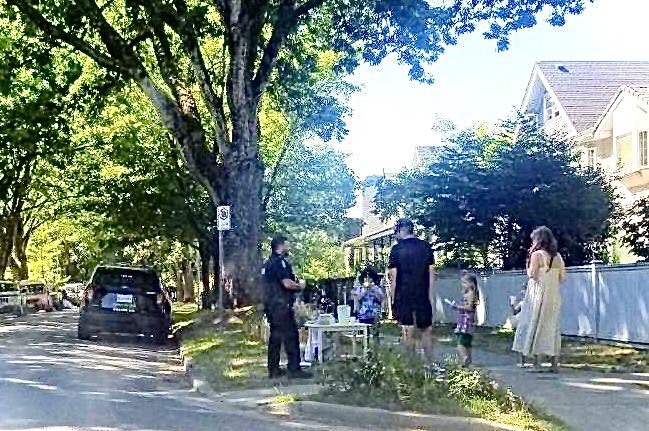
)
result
[(38, 90), (484, 193), (207, 65)]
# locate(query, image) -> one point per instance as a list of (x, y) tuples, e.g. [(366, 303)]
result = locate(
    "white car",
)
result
[(73, 292), (12, 300)]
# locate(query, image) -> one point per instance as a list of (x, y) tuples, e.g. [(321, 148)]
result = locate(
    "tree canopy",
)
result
[(207, 67), (485, 192)]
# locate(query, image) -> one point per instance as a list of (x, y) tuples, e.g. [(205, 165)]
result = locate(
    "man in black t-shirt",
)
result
[(412, 277), (280, 287)]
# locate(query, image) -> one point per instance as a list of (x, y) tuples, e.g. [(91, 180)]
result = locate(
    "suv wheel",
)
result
[(160, 338), (83, 333)]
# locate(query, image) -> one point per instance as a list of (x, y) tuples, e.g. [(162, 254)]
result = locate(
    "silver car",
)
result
[(12, 299)]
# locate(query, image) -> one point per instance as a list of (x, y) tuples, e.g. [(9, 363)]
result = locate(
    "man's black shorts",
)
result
[(411, 313)]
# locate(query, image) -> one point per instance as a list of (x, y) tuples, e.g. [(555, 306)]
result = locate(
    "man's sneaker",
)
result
[(300, 374), (276, 373)]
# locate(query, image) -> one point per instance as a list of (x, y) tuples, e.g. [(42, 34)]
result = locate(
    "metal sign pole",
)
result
[(220, 305), (223, 223)]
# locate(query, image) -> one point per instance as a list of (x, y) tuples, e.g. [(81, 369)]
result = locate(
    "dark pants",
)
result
[(283, 329)]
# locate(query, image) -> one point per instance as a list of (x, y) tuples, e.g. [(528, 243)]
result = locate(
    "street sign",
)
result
[(223, 218)]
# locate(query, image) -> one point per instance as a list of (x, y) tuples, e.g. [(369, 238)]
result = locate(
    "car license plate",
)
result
[(121, 298), (124, 302)]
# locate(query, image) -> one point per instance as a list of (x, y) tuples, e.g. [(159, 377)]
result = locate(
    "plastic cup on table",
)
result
[(344, 313)]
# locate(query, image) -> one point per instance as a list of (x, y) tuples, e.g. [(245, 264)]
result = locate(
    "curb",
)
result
[(372, 418), (246, 398), (338, 414)]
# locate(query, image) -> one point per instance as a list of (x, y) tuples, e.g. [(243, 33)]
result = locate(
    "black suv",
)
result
[(125, 300)]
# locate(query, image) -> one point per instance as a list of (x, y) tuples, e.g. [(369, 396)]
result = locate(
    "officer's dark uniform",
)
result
[(278, 303)]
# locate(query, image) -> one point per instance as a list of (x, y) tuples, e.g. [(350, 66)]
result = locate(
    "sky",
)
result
[(392, 115)]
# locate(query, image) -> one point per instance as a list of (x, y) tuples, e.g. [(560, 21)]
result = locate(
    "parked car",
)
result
[(12, 299), (73, 292), (38, 295), (125, 300), (57, 298)]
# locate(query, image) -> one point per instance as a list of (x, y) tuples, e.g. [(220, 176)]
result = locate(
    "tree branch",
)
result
[(57, 33), (288, 16), (273, 176), (186, 29), (189, 140), (307, 7), (286, 20)]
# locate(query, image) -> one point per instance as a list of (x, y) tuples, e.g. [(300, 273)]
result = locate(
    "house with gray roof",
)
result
[(603, 108)]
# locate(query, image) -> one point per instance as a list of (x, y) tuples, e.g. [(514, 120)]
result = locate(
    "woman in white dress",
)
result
[(538, 331)]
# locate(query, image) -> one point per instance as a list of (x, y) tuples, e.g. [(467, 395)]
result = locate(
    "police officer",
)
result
[(281, 286)]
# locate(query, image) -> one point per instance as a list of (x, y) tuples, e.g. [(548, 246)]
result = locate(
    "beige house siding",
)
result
[(624, 144)]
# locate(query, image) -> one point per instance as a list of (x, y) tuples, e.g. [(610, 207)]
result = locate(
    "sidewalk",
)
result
[(585, 401)]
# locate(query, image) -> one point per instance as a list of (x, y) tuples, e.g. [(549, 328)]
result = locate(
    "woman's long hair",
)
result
[(543, 239)]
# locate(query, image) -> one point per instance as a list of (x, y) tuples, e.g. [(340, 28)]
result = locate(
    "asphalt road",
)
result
[(49, 380)]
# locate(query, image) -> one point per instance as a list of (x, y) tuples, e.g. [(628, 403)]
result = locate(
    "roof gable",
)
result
[(584, 89), (640, 94)]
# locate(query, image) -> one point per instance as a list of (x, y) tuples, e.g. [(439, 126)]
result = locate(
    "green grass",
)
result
[(575, 353), (483, 397), (228, 356), (284, 399), (395, 380)]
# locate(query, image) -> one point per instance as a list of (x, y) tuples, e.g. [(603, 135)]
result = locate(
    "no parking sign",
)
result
[(223, 218)]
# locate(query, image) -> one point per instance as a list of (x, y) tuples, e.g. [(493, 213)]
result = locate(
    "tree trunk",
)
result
[(237, 181), (188, 282), (180, 290), (205, 253), (7, 234), (20, 264), (241, 245), (217, 277)]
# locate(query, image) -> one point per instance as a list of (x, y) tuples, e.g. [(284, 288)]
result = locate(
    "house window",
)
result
[(591, 161), (643, 149), (549, 108)]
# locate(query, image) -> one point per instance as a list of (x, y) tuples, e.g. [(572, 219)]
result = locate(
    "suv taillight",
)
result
[(87, 294)]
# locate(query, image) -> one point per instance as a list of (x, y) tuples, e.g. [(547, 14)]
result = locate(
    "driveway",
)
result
[(49, 380)]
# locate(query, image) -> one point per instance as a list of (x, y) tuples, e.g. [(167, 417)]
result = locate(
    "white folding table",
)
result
[(318, 330)]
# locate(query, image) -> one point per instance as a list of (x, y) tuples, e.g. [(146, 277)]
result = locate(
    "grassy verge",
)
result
[(575, 353), (228, 356), (392, 379)]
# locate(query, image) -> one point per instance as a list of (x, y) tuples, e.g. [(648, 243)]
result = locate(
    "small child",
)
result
[(466, 318), (370, 295), (516, 303)]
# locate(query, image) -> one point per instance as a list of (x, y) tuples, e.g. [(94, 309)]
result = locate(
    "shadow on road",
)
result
[(49, 378)]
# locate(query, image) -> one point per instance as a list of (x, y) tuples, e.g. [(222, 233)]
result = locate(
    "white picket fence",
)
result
[(599, 301)]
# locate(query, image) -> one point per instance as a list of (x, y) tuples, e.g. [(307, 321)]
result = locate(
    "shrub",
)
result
[(391, 377)]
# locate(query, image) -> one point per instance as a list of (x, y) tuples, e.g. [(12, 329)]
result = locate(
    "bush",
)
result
[(391, 378), (394, 379)]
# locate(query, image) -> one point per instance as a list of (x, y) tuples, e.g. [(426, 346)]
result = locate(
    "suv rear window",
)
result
[(134, 280), (119, 302)]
